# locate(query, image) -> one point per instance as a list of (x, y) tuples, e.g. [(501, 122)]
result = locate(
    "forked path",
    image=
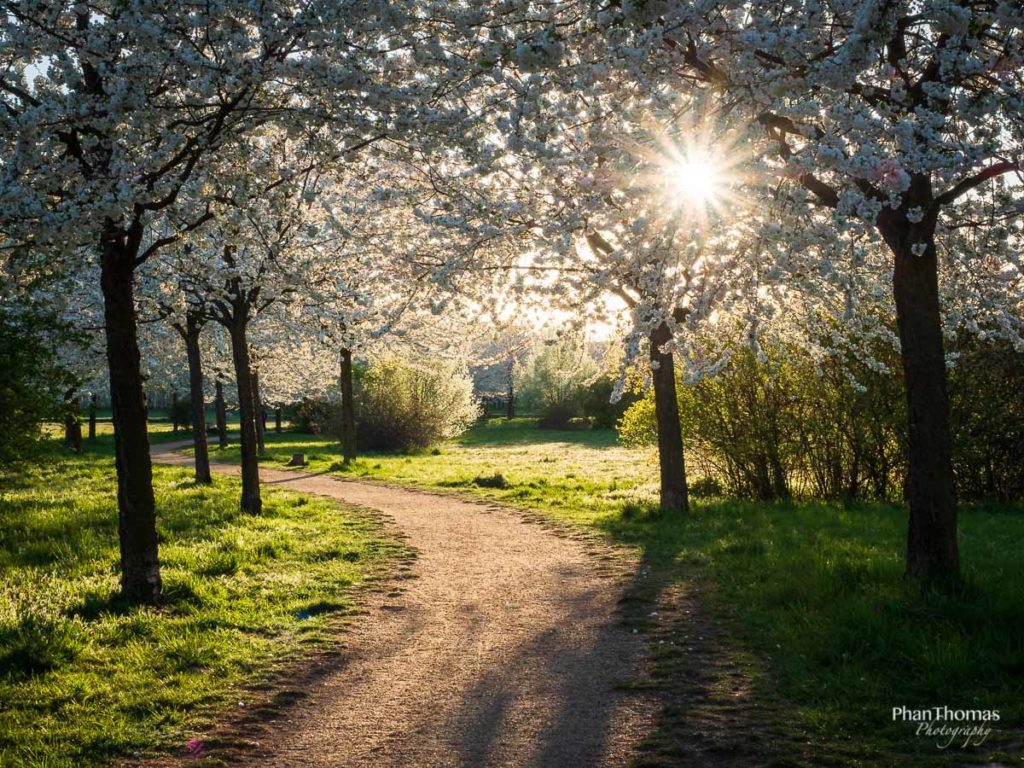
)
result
[(505, 649)]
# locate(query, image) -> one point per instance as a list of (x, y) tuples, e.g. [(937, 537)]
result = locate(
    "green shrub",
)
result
[(180, 412), (402, 407), (705, 488), (497, 480), (836, 427), (31, 382), (555, 380), (987, 419), (597, 404), (638, 427), (315, 415)]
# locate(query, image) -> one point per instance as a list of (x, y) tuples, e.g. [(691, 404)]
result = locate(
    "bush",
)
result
[(402, 407), (497, 480), (987, 419), (31, 383), (836, 428), (557, 416), (597, 404), (767, 428), (742, 425), (638, 426), (316, 415), (706, 488), (554, 383)]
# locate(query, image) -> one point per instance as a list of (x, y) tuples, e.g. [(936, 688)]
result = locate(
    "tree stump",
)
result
[(298, 460)]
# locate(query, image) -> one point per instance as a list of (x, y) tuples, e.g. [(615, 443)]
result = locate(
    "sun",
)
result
[(696, 179)]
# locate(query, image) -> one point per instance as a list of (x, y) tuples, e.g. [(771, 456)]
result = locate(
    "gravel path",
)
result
[(505, 649)]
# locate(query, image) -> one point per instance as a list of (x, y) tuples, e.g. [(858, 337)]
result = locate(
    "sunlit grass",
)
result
[(583, 474), (84, 677)]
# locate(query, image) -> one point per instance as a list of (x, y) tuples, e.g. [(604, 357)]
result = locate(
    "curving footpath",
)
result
[(505, 649)]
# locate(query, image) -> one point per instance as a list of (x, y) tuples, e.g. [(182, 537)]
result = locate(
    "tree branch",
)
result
[(966, 185)]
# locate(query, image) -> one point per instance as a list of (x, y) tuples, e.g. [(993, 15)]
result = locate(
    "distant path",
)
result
[(505, 650)]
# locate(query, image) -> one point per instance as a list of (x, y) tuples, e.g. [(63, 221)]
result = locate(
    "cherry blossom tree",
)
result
[(896, 121), (111, 109)]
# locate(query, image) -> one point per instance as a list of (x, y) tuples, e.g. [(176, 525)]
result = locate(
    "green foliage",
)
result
[(638, 426), (31, 382), (836, 427), (85, 678), (987, 419), (788, 423), (554, 383), (315, 415), (402, 407), (597, 404), (497, 480)]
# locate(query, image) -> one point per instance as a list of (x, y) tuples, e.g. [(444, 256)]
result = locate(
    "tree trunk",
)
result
[(222, 417), (251, 500), (348, 409), (140, 564), (261, 415), (511, 412), (92, 417), (670, 436), (174, 411), (932, 551), (72, 422), (277, 420), (196, 401)]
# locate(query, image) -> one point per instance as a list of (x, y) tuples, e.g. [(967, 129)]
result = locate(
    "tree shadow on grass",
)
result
[(712, 711), (787, 633)]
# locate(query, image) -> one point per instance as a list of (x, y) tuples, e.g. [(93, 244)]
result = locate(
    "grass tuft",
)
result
[(497, 480)]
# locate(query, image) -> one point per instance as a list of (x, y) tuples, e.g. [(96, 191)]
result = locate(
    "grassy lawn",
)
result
[(84, 679), (811, 593), (582, 475)]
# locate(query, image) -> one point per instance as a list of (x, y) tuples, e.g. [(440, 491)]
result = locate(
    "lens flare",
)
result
[(696, 178)]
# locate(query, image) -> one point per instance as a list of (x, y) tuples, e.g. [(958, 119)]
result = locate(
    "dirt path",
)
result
[(505, 650)]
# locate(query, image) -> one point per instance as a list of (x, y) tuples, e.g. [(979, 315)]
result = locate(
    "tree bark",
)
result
[(174, 411), (72, 422), (674, 497), (196, 401), (277, 420), (140, 565), (92, 417), (511, 412), (251, 499), (932, 550), (348, 409), (261, 415), (222, 416)]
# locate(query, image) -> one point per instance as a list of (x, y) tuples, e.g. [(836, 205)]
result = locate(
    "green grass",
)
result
[(582, 475), (811, 594), (84, 678)]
